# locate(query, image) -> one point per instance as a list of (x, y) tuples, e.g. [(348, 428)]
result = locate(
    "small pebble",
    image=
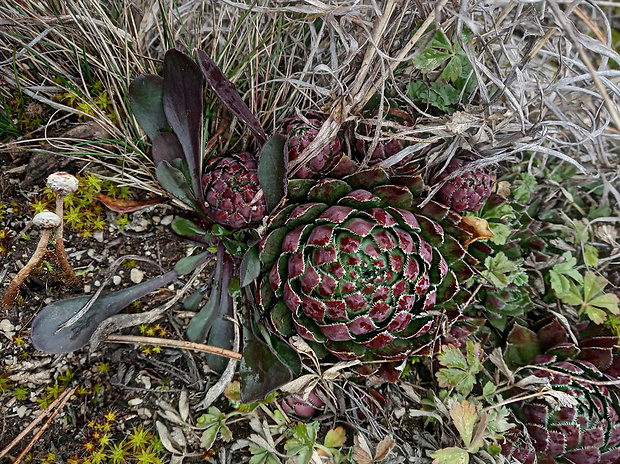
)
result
[(156, 219), (91, 252), (87, 288), (136, 275), (167, 220), (21, 411), (98, 236), (6, 326), (135, 401), (97, 283), (116, 280)]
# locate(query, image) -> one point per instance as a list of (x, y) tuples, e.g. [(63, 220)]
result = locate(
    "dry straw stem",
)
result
[(544, 86), (52, 410), (180, 344)]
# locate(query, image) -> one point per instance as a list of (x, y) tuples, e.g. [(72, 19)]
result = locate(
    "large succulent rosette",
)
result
[(584, 427), (356, 266)]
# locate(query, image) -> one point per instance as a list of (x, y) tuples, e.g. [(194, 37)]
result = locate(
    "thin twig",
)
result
[(180, 344)]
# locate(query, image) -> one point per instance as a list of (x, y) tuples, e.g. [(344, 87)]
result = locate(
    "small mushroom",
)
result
[(62, 184), (46, 221)]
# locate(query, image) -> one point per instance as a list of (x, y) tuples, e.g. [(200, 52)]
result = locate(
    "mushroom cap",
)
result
[(46, 220), (63, 183)]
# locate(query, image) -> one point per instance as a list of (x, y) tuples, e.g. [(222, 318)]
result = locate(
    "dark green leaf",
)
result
[(199, 326), (261, 371), (250, 266), (189, 263), (174, 182), (145, 101), (166, 147), (272, 171), (45, 335), (185, 227)]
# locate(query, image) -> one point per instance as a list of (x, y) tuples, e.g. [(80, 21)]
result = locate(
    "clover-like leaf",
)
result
[(464, 416), (451, 455)]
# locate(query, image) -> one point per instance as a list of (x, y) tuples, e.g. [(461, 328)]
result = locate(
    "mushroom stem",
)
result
[(59, 243), (18, 280)]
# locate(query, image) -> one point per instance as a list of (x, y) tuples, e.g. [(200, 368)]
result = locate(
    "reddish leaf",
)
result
[(126, 206), (183, 107), (226, 92)]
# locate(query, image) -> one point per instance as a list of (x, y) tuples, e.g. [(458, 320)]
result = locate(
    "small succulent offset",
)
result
[(583, 426), (299, 135), (467, 191), (232, 191)]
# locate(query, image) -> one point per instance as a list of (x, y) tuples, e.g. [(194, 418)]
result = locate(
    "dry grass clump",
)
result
[(545, 85)]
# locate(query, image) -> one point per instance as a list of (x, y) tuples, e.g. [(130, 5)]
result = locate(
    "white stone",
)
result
[(136, 275), (97, 283), (167, 220), (6, 326), (135, 401), (21, 411), (87, 288), (98, 236), (116, 280)]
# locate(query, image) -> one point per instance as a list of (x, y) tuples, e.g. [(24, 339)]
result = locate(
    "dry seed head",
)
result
[(46, 220), (62, 183)]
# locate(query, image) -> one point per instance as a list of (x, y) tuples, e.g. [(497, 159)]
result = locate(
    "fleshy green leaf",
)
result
[(189, 263), (185, 227), (174, 182), (146, 103), (272, 171), (453, 69), (261, 372), (45, 332), (250, 266)]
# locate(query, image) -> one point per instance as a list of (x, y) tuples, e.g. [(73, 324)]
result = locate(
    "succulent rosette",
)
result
[(585, 427), (387, 146), (300, 133), (356, 266), (466, 192), (232, 192)]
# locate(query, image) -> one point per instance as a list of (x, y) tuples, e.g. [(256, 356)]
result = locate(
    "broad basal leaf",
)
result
[(182, 97), (272, 171), (146, 103)]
